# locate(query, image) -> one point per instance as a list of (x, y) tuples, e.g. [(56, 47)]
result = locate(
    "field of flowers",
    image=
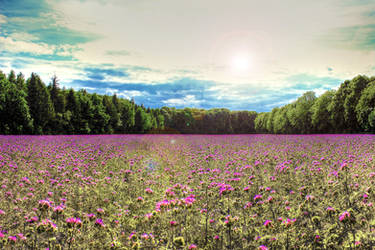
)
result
[(187, 192)]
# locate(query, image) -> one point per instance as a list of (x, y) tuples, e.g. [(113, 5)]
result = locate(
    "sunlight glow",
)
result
[(240, 63)]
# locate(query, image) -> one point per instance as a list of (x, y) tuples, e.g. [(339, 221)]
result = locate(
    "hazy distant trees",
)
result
[(31, 107)]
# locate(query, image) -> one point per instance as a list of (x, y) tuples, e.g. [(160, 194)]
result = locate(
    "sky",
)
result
[(240, 54)]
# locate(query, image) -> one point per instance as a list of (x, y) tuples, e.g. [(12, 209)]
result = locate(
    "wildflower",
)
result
[(21, 236), (132, 235), (99, 222), (149, 191), (100, 210), (344, 216), (267, 223), (192, 246), (257, 197), (330, 209), (59, 209), (173, 223), (44, 204), (72, 222), (309, 197), (46, 225), (32, 219), (2, 212), (12, 239), (216, 237), (262, 247), (91, 216), (140, 199), (287, 222), (248, 205)]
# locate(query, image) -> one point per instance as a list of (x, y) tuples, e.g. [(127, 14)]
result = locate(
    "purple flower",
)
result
[(344, 216), (99, 222)]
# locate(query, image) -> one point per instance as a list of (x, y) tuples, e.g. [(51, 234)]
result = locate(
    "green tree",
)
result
[(365, 109), (355, 87), (15, 117), (72, 114), (127, 116), (99, 122), (321, 117), (299, 113), (337, 109), (142, 120), (39, 101)]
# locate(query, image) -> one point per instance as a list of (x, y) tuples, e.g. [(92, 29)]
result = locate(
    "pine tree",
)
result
[(39, 101)]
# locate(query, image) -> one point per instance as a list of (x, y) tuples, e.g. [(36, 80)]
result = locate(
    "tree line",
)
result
[(349, 109), (31, 107)]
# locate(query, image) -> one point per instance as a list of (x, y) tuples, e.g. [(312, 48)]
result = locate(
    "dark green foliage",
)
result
[(365, 109), (34, 108), (41, 108), (320, 113), (142, 120), (14, 112)]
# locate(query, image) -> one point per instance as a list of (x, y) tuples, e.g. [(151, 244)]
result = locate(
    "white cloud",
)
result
[(2, 19), (128, 94), (11, 45), (188, 100)]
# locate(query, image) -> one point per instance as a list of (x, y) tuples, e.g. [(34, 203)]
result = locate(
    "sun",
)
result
[(240, 63)]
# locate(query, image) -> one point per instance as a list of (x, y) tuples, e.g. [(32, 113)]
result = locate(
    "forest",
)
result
[(29, 106)]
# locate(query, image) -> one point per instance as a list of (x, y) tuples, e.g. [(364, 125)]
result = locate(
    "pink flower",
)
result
[(344, 216), (99, 222), (257, 197), (173, 223), (140, 199), (21, 236), (192, 246), (74, 222), (267, 223), (12, 239), (131, 235), (263, 247)]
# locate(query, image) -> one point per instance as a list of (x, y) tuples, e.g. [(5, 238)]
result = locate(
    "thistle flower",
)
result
[(173, 223), (74, 222), (344, 216), (12, 239), (149, 191), (257, 197), (267, 223), (99, 223)]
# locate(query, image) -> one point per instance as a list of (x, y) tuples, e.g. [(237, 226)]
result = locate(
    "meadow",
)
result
[(187, 192)]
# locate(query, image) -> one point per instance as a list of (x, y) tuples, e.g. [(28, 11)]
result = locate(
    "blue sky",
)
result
[(241, 54)]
